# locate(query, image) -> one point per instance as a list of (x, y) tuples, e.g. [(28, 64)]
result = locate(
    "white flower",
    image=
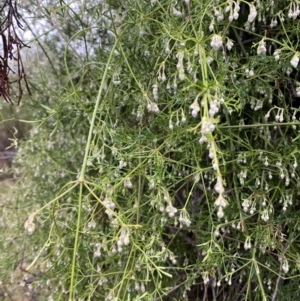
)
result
[(209, 59), (171, 210), (184, 219), (294, 10), (229, 44), (216, 42), (127, 183), (261, 49), (236, 13), (295, 60), (247, 244), (220, 212), (219, 188), (97, 252), (152, 107), (195, 108), (252, 14), (207, 127), (220, 201), (246, 204), (151, 184), (155, 92), (211, 26), (265, 215), (266, 162), (122, 164), (202, 139), (29, 224), (181, 74), (285, 266), (176, 12), (124, 238), (205, 277), (276, 55)]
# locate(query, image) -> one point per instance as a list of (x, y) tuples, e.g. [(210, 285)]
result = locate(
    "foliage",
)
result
[(165, 161)]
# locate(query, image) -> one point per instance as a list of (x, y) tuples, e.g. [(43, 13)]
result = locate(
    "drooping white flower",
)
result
[(295, 60), (216, 42), (211, 26), (207, 127), (246, 204), (236, 12), (247, 244), (253, 13), (184, 219), (265, 215), (152, 107), (276, 54), (220, 212), (221, 201), (155, 92), (171, 210), (127, 183), (229, 44), (219, 188), (261, 49), (176, 12), (195, 108), (285, 266)]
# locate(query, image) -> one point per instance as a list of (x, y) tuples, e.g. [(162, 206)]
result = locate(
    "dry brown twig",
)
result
[(11, 64)]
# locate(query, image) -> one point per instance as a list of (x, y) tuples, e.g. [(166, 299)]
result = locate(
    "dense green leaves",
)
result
[(164, 165)]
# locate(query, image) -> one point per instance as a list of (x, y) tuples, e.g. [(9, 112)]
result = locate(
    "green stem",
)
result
[(82, 173)]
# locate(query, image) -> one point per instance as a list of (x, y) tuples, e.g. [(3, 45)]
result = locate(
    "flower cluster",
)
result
[(261, 49), (276, 54), (246, 204), (214, 108), (109, 205), (219, 15), (170, 209), (207, 127), (265, 215), (184, 219), (124, 239), (216, 42), (97, 252), (294, 10), (233, 12), (152, 107), (220, 201), (179, 65)]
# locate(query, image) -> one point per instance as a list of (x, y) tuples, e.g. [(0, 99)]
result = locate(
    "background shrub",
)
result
[(164, 163)]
